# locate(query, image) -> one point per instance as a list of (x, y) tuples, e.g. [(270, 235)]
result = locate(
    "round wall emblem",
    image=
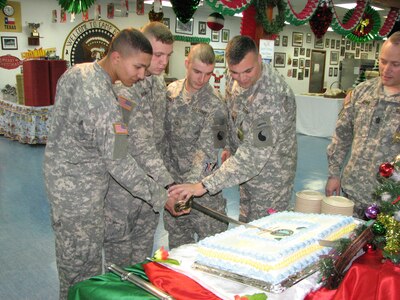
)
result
[(88, 41)]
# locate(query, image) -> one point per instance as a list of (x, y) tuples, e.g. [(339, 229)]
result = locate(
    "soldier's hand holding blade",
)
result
[(176, 205)]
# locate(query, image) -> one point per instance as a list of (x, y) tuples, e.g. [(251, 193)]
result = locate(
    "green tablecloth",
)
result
[(109, 286)]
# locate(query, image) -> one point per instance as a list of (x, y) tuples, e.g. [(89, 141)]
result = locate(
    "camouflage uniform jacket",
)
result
[(369, 129), (262, 131), (195, 130), (88, 143), (146, 125)]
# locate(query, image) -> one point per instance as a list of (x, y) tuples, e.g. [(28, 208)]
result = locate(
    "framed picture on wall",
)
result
[(202, 28), (184, 28), (308, 38), (301, 63), (285, 41), (319, 43), (295, 63), (187, 50), (9, 43), (334, 58), (225, 35), (306, 72), (214, 36), (297, 39), (296, 52), (335, 72), (166, 22), (279, 59), (330, 72), (277, 41), (308, 52), (219, 58), (294, 73)]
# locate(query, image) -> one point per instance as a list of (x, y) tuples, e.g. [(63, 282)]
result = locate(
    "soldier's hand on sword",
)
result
[(187, 190), (172, 202)]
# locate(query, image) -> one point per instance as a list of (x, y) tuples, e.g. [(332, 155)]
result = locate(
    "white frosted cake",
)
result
[(272, 256)]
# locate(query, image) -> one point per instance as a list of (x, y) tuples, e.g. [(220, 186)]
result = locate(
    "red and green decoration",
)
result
[(271, 26), (389, 23), (368, 26), (215, 21), (162, 255), (248, 24), (184, 10), (302, 17), (228, 7), (350, 23), (191, 39), (76, 6), (321, 20)]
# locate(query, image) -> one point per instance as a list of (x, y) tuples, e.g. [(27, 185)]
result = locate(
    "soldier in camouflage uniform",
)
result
[(195, 131), (262, 128), (87, 145), (130, 221), (368, 130)]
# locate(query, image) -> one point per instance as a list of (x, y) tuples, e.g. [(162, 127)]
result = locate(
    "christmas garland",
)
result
[(301, 18), (275, 26), (367, 28), (228, 8), (347, 27), (75, 6), (190, 39), (389, 23)]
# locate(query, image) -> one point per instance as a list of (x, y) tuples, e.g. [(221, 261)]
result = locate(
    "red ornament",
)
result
[(369, 248), (321, 20), (386, 169)]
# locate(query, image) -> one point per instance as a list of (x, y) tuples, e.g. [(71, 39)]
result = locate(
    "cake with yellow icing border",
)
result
[(290, 244)]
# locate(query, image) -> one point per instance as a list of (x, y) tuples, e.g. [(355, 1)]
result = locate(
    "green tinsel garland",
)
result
[(275, 26), (373, 17), (2, 3), (191, 39), (76, 6)]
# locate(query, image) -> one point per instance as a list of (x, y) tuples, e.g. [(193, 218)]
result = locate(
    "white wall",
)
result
[(54, 35)]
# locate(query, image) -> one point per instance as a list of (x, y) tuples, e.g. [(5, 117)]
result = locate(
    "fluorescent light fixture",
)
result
[(239, 15), (352, 5), (164, 3), (287, 23), (330, 28)]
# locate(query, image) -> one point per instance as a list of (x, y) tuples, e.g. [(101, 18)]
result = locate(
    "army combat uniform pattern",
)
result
[(130, 221), (195, 131), (262, 131), (87, 145), (369, 125)]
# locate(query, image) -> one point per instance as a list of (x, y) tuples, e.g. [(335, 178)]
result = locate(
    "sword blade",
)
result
[(223, 218)]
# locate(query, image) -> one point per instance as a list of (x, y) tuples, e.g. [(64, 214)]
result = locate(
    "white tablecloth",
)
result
[(227, 289), (317, 115)]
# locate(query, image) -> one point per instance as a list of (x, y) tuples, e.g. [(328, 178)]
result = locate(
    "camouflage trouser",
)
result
[(182, 229), (254, 203), (130, 225), (79, 234)]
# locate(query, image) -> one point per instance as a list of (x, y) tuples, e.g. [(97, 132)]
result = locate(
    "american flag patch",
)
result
[(120, 128), (125, 103)]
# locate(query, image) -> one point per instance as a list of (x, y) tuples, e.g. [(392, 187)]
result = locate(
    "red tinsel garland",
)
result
[(248, 24), (347, 27), (234, 4)]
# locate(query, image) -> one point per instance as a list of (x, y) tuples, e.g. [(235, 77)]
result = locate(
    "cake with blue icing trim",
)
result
[(289, 244)]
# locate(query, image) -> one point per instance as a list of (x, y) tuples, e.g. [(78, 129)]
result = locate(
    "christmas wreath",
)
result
[(368, 26), (270, 26), (347, 26)]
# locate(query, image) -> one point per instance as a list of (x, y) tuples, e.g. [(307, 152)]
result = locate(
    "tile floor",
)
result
[(27, 260)]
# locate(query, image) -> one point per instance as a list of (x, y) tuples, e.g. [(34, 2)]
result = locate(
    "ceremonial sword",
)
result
[(182, 205)]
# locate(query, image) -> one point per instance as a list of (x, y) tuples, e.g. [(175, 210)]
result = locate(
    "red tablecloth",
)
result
[(367, 279)]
